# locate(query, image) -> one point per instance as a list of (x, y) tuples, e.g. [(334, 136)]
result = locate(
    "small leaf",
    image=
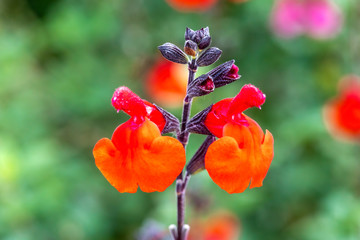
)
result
[(172, 53), (208, 57)]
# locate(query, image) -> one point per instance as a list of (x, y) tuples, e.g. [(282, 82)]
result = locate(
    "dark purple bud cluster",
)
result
[(200, 37), (196, 43)]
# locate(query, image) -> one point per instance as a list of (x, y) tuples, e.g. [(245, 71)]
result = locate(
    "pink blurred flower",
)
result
[(320, 19)]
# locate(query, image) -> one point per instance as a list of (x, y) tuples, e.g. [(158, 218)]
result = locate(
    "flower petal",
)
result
[(157, 167), (217, 117), (261, 166), (116, 169), (139, 155), (228, 165), (243, 154), (261, 150)]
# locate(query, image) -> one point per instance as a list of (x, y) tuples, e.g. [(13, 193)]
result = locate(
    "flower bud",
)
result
[(200, 37), (201, 86), (190, 48), (172, 53), (208, 57), (225, 73), (205, 42)]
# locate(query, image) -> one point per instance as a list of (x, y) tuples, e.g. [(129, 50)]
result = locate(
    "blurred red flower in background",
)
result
[(196, 5), (238, 1), (191, 5), (320, 19), (342, 113), (222, 225), (137, 154), (243, 153), (166, 83)]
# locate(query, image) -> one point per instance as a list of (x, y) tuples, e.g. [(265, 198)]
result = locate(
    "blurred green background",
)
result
[(60, 61)]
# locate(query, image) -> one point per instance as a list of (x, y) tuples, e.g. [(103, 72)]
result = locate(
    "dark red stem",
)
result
[(183, 137)]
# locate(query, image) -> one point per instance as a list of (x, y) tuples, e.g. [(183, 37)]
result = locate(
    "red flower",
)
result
[(238, 1), (220, 226), (342, 114), (191, 5), (137, 154), (166, 83), (243, 153)]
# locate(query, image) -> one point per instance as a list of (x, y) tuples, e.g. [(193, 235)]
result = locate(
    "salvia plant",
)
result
[(236, 152)]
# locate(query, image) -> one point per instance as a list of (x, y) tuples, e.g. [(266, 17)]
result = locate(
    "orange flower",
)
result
[(191, 5), (342, 114), (137, 154), (219, 226), (243, 153), (166, 83)]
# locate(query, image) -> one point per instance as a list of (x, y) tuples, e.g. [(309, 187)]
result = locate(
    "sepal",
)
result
[(172, 124), (225, 73), (205, 42), (197, 162), (189, 34), (201, 86), (208, 57), (197, 125), (172, 53)]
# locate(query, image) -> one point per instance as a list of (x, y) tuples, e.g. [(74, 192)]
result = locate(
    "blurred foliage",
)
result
[(59, 64)]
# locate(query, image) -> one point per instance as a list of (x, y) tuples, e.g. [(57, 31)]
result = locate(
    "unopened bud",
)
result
[(201, 86), (190, 48), (172, 53)]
